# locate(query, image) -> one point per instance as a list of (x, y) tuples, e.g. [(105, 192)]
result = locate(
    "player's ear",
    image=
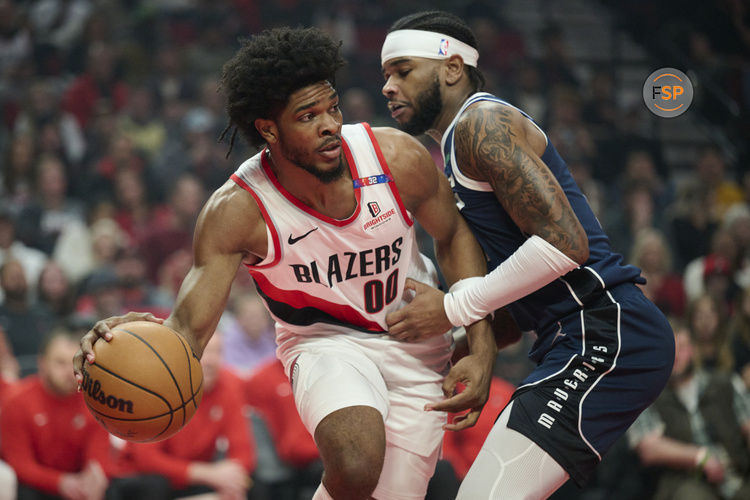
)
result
[(453, 68), (267, 129)]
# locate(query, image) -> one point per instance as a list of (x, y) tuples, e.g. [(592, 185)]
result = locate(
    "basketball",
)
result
[(145, 383)]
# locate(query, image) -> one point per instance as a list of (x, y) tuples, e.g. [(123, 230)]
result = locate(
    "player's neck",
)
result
[(334, 199), (453, 99)]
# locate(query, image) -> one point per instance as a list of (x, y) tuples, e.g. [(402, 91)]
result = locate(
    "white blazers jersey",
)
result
[(328, 276)]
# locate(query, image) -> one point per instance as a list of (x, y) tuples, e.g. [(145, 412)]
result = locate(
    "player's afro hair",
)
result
[(269, 67), (439, 21)]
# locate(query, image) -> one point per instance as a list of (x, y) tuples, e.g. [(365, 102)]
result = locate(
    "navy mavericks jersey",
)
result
[(499, 236)]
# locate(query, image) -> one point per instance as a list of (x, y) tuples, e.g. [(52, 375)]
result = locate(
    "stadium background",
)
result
[(109, 118)]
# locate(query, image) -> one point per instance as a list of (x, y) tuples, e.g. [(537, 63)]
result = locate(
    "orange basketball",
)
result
[(145, 383)]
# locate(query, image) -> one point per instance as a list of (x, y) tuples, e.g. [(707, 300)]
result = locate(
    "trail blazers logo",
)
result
[(374, 208)]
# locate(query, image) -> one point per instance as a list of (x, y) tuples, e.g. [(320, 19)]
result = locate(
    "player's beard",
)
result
[(298, 158), (427, 108)]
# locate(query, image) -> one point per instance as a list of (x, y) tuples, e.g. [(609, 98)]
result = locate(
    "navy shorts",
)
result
[(607, 362)]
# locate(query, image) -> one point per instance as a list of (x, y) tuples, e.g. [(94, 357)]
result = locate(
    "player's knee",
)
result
[(352, 445), (354, 479)]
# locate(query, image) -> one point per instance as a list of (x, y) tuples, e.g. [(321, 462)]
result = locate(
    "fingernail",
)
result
[(108, 336), (90, 358)]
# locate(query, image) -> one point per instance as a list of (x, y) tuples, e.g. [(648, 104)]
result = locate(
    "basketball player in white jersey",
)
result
[(323, 219)]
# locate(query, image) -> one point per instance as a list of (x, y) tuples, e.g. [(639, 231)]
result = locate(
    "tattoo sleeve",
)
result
[(488, 144)]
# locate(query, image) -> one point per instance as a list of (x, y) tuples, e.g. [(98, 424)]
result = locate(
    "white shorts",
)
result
[(397, 379)]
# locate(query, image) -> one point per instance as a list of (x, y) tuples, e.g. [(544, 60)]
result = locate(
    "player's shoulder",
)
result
[(231, 221), (231, 204), (394, 142), (486, 109)]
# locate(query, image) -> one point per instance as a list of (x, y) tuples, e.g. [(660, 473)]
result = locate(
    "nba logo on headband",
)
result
[(443, 49)]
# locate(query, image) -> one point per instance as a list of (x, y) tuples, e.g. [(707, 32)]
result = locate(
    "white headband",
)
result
[(418, 43)]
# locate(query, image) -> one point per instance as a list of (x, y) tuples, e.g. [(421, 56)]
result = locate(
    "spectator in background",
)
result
[(652, 254), (635, 213), (56, 25), (556, 66), (55, 293), (47, 432), (737, 222), (102, 297), (691, 224), (591, 188), (640, 169), (52, 212), (121, 155), (205, 157), (716, 267), (18, 171), (141, 123), (99, 88), (171, 80), (31, 259), (566, 130), (24, 323), (249, 336), (528, 92), (709, 337), (120, 465), (739, 338), (136, 213), (138, 293), (269, 393), (15, 38), (173, 270), (691, 433), (107, 241), (43, 110), (10, 370), (358, 106), (710, 171), (215, 451), (185, 201)]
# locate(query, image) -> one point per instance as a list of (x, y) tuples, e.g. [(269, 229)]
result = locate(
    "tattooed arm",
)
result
[(498, 145)]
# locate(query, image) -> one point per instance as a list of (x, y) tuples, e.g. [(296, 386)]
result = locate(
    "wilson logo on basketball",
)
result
[(94, 390)]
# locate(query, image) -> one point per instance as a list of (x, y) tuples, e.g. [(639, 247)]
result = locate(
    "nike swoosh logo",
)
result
[(292, 240)]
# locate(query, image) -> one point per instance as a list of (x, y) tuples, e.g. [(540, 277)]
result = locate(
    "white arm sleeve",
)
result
[(535, 264)]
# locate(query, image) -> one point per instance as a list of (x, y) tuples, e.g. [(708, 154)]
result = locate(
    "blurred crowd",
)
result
[(109, 117)]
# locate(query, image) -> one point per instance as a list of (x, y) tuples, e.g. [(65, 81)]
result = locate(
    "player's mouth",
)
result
[(397, 108), (331, 150)]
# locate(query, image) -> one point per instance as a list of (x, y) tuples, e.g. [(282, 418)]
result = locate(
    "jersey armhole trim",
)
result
[(270, 227), (391, 184)]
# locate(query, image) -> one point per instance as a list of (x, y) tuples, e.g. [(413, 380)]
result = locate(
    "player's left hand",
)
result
[(422, 318), (474, 372)]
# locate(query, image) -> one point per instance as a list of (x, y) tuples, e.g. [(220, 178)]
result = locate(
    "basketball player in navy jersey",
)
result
[(323, 219), (603, 351)]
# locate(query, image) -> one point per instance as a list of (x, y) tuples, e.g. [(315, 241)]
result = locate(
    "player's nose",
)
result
[(389, 89)]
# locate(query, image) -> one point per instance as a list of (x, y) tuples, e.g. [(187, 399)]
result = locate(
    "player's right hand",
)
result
[(103, 329), (476, 378)]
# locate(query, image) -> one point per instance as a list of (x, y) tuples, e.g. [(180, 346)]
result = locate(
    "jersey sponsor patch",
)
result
[(374, 208), (378, 218)]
